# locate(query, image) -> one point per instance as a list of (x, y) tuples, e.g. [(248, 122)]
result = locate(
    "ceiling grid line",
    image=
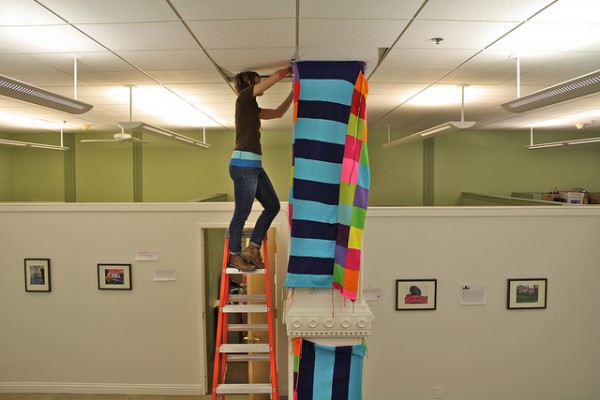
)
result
[(220, 70), (175, 50), (448, 73), (139, 69)]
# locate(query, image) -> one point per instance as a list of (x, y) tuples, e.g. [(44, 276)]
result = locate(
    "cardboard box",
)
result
[(572, 197), (594, 198), (548, 196)]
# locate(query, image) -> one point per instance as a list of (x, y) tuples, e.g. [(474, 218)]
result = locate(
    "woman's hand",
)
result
[(263, 85)]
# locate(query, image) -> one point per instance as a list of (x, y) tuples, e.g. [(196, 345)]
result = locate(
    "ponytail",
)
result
[(244, 79)]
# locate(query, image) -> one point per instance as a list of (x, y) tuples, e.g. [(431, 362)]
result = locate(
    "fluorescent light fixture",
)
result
[(451, 125), (546, 145), (18, 143), (569, 90), (560, 143), (184, 139), (447, 127), (143, 127), (563, 143), (31, 94), (13, 143), (23, 121), (584, 141)]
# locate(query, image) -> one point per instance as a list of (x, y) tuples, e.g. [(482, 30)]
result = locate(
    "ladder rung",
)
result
[(235, 271), (241, 388), (247, 297), (248, 357), (244, 348), (247, 327), (245, 308)]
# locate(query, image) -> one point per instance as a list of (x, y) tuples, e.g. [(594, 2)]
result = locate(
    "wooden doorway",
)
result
[(237, 372)]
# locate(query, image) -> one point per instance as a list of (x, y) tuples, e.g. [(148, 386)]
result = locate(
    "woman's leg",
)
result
[(245, 183), (265, 194)]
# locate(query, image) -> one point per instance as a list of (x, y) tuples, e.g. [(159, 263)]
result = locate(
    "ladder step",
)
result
[(245, 308), (248, 357), (242, 388), (247, 297), (235, 271), (247, 327), (244, 348)]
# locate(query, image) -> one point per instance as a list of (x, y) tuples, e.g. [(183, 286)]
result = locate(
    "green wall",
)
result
[(172, 171), (7, 176), (38, 174), (396, 173), (103, 171), (499, 164), (469, 161)]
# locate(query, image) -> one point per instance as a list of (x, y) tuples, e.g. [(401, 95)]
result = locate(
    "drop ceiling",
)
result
[(188, 50)]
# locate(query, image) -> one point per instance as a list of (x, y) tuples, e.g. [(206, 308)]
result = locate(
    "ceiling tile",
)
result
[(533, 38), (111, 11), (267, 33), (477, 10), (359, 9), (262, 60), (234, 9), (455, 34), (346, 33), (168, 59), (141, 36), (578, 11), (46, 39), (15, 13), (144, 43)]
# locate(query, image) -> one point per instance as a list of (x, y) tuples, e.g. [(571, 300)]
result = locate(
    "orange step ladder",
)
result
[(242, 305)]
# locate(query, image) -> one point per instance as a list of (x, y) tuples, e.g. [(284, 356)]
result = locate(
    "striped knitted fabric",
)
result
[(327, 373), (330, 176)]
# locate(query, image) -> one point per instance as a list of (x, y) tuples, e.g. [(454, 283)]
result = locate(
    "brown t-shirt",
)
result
[(247, 122)]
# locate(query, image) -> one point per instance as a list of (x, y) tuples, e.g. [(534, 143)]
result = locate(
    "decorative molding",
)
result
[(316, 313), (325, 325)]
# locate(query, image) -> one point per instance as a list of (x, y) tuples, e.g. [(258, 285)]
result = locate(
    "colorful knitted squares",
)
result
[(330, 176)]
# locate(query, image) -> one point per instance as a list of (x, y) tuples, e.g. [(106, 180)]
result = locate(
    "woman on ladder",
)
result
[(250, 181)]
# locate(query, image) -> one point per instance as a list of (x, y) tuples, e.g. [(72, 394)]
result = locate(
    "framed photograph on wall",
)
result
[(37, 275), (527, 293), (114, 276), (416, 294)]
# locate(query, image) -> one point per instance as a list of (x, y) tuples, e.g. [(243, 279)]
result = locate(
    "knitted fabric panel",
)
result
[(330, 176), (327, 373)]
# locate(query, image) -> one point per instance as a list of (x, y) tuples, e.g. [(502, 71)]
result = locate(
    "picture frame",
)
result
[(526, 294), (114, 277), (37, 275), (416, 294)]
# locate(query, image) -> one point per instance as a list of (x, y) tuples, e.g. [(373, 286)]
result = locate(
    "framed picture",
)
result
[(416, 294), (114, 276), (527, 293), (37, 275)]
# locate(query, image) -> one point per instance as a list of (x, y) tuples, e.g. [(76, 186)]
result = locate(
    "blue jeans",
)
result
[(248, 184)]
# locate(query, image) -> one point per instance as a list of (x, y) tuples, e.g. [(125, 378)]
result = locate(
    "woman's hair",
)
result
[(244, 79)]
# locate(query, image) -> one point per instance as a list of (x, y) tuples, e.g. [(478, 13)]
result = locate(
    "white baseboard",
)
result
[(99, 388)]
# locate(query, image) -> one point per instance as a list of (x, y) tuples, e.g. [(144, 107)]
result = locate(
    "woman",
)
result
[(250, 181)]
